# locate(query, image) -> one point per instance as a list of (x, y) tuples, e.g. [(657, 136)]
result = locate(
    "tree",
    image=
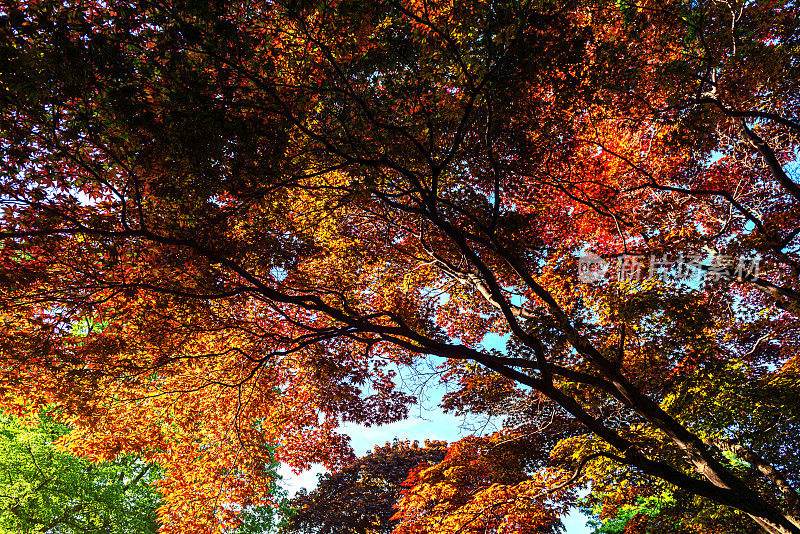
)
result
[(666, 512), (45, 490), (482, 485), (358, 499), (272, 206)]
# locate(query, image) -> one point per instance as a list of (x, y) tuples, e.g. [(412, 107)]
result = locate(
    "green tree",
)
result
[(45, 490)]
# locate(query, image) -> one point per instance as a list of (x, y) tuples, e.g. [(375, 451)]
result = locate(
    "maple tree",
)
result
[(484, 485), (359, 497), (225, 226)]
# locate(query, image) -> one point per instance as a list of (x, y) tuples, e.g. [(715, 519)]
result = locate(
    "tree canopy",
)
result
[(226, 225), (45, 490)]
